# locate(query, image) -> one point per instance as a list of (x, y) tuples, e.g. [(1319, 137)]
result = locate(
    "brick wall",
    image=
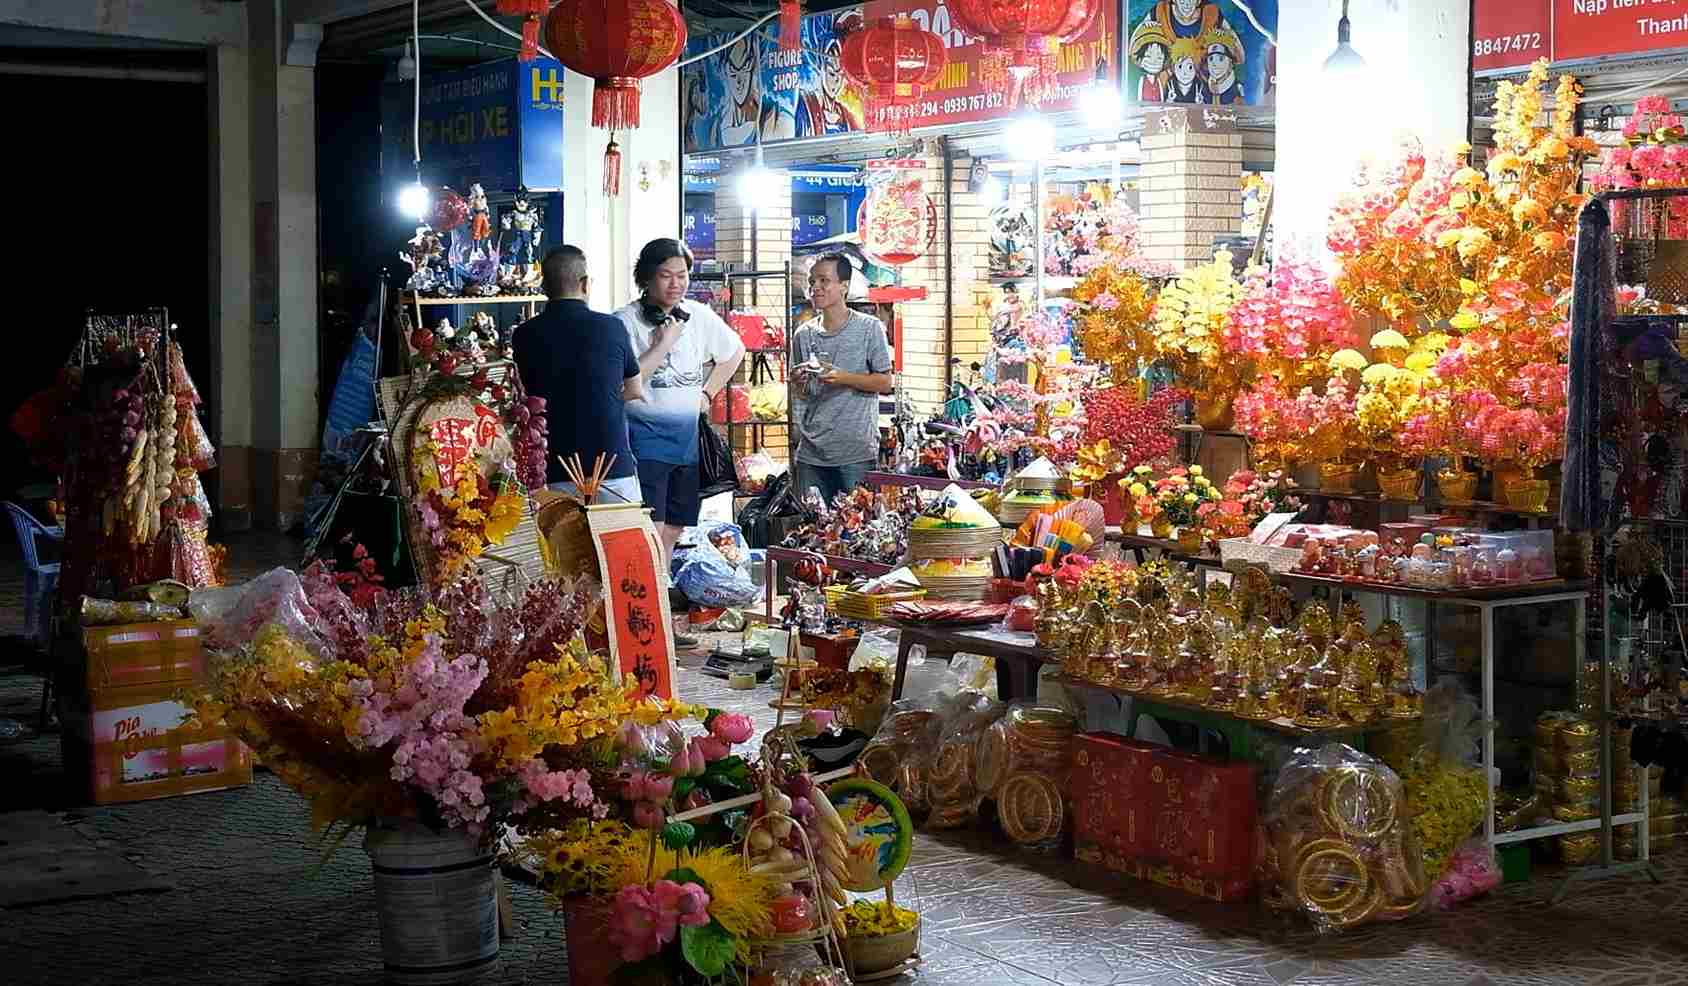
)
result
[(1191, 185)]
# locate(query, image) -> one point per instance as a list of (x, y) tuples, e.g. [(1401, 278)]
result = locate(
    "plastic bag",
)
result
[(876, 649), (1446, 794), (951, 784), (717, 570), (230, 618), (755, 470), (901, 751), (1472, 872), (1338, 847), (714, 461)]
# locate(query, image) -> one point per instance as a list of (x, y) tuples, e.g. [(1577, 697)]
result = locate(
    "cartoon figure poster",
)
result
[(754, 90), (1211, 52)]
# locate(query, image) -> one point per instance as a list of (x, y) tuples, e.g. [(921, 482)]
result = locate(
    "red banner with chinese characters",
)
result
[(1510, 34), (961, 95), (638, 631), (1595, 28)]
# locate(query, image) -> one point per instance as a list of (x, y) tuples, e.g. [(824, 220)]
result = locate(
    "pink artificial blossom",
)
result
[(732, 727)]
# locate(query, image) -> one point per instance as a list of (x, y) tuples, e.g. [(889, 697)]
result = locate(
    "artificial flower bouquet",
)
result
[(1122, 431), (1261, 493), (1179, 494), (459, 712)]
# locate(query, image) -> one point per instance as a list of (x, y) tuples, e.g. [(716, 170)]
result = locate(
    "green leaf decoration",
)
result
[(708, 948)]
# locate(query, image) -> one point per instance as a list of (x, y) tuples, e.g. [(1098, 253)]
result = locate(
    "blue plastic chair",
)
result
[(40, 584)]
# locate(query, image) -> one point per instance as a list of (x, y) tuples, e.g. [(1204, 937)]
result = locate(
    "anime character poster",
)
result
[(1212, 52), (755, 91)]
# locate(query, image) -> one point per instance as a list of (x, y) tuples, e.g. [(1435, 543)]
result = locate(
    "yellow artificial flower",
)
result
[(1138, 489), (1142, 470), (1195, 470), (1190, 498), (1347, 359), (1472, 242), (1528, 210), (1378, 373), (1468, 177), (1464, 320), (1389, 339), (1421, 361)]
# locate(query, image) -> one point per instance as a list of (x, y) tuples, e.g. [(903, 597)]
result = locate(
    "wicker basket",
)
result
[(879, 953), (1246, 552), (964, 589), (864, 605), (953, 542), (565, 538)]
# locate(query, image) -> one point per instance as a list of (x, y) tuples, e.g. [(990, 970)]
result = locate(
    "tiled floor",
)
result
[(256, 903)]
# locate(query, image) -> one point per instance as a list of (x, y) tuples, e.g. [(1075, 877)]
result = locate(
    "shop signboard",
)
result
[(1214, 52), (1608, 28), (754, 91), (699, 230), (498, 124), (961, 94), (1507, 35), (809, 227)]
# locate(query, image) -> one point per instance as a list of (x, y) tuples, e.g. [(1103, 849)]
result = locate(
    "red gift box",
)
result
[(719, 410), (1178, 819), (1109, 774)]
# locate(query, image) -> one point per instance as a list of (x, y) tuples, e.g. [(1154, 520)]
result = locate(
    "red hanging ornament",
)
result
[(893, 61), (612, 168), (534, 13), (615, 43), (1020, 37), (791, 25)]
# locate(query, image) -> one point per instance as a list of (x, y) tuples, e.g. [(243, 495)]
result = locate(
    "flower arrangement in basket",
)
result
[(1190, 318), (662, 887), (1653, 155), (1180, 493)]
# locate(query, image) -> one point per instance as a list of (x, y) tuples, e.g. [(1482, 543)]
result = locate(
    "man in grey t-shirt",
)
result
[(836, 409)]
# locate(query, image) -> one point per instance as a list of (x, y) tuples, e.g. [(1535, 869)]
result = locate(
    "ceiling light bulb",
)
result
[(407, 65), (413, 200), (1102, 105)]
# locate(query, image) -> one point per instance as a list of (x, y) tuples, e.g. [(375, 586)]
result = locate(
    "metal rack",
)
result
[(759, 370)]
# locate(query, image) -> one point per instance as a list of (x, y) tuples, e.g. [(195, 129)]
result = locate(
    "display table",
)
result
[(1017, 655), (838, 563), (1139, 543)]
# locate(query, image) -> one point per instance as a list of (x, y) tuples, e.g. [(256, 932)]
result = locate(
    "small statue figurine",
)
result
[(1401, 700), (524, 240), (480, 223), (1360, 696), (1318, 696), (1046, 625)]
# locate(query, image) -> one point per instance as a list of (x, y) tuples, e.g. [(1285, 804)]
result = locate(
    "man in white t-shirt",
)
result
[(686, 356)]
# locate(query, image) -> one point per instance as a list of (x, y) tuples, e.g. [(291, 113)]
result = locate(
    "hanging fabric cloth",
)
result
[(1593, 307)]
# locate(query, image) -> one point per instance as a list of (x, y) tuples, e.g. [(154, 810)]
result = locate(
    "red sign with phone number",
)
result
[(1507, 35)]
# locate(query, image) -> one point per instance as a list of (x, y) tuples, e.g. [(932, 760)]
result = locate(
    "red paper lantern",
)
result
[(616, 43), (893, 61), (1020, 37)]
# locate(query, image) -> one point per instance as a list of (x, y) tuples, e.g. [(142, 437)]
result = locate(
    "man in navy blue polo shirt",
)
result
[(583, 364)]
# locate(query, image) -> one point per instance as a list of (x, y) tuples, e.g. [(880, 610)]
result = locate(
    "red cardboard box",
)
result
[(1177, 819)]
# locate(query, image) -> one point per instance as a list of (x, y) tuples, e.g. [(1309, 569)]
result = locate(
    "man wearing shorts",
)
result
[(686, 356)]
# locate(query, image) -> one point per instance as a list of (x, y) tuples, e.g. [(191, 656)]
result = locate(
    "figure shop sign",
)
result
[(636, 599)]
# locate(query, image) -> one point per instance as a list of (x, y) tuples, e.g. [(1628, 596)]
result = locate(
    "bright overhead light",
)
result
[(991, 191), (1102, 105), (407, 65), (1030, 138), (413, 200), (760, 185), (1344, 61)]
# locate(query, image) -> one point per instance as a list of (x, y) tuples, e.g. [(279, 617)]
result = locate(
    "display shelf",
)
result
[(877, 479), (1285, 726), (1483, 507), (1564, 828), (490, 299), (1472, 593)]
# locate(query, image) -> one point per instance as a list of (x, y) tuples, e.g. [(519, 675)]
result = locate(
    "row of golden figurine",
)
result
[(1238, 653)]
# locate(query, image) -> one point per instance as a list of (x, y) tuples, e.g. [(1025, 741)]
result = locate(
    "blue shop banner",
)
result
[(700, 232), (498, 124), (809, 227)]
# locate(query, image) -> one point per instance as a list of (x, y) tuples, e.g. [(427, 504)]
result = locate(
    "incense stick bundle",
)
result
[(587, 484)]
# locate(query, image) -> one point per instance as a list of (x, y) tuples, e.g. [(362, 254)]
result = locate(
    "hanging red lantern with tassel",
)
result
[(893, 61), (1021, 38), (617, 44), (791, 25), (532, 13)]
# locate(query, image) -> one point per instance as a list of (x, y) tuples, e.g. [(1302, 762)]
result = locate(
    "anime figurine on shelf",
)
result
[(480, 222), (524, 239), (426, 257)]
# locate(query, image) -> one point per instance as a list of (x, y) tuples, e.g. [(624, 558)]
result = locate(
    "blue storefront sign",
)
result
[(700, 232), (499, 124), (809, 227)]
